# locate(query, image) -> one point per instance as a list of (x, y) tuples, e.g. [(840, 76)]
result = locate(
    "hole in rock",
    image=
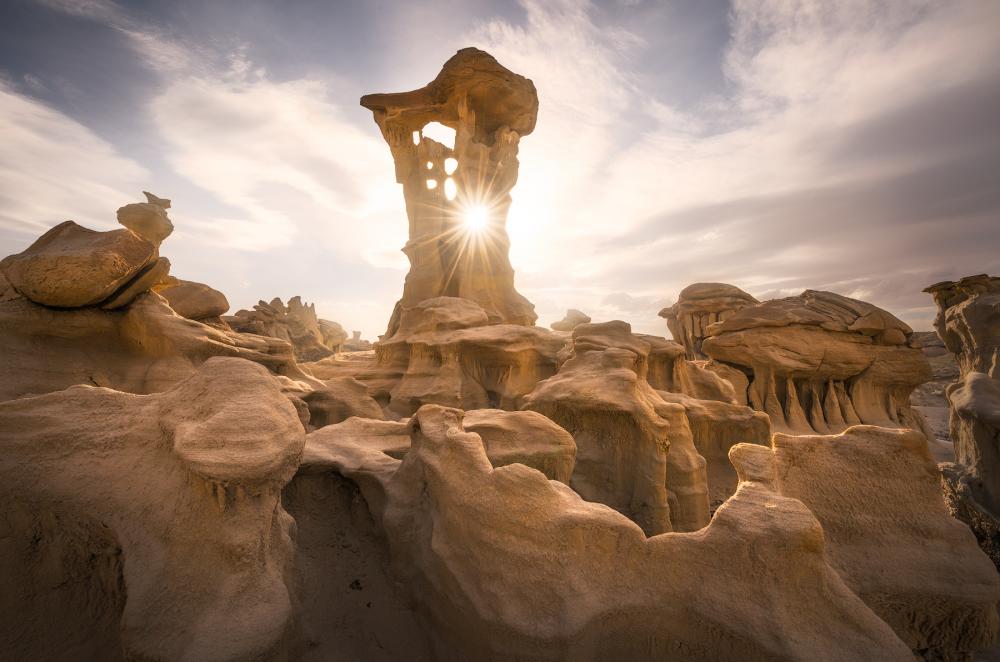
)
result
[(432, 184), (430, 165), (440, 133), (450, 165), (475, 217), (416, 137), (450, 188)]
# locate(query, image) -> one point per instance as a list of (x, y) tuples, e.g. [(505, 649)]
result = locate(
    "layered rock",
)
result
[(157, 518), (489, 108), (509, 437), (447, 352), (295, 323), (968, 322), (876, 492), (573, 319), (821, 362), (635, 452), (148, 219), (504, 564), (356, 343), (195, 301), (73, 267), (697, 307)]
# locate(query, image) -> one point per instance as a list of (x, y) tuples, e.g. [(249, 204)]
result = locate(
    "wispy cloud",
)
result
[(52, 168)]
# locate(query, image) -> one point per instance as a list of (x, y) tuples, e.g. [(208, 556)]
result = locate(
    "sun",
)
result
[(475, 217)]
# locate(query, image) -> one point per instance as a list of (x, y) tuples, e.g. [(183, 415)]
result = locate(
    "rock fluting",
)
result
[(968, 322), (697, 307), (820, 362)]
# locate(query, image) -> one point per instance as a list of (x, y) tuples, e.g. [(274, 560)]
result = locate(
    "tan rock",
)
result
[(153, 274), (821, 362), (876, 492), (168, 503), (509, 437), (573, 319), (489, 108), (333, 334), (195, 301), (356, 343), (339, 399), (504, 564), (697, 307), (148, 219), (70, 266), (296, 323), (635, 452), (446, 352), (968, 323)]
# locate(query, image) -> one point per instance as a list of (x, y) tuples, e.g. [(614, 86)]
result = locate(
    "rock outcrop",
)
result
[(697, 307), (73, 267), (489, 108), (573, 319), (968, 322), (821, 362), (356, 343), (635, 452), (504, 564), (877, 494), (295, 323), (157, 518), (446, 352), (195, 301), (148, 219)]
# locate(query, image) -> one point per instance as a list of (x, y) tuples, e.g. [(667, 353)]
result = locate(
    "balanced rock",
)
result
[(71, 266), (148, 219), (573, 319), (697, 307), (356, 343), (821, 362)]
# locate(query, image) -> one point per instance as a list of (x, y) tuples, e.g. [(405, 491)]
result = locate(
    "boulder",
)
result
[(697, 307), (195, 301), (148, 219), (71, 267)]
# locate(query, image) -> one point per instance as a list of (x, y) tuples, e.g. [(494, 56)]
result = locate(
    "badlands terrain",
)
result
[(180, 483)]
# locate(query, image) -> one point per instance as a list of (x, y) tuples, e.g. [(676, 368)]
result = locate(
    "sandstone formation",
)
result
[(195, 301), (446, 352), (509, 565), (73, 267), (148, 219), (356, 344), (821, 362), (181, 486), (968, 322), (876, 492), (573, 319), (295, 323), (697, 307), (168, 508), (635, 452), (508, 437), (489, 108)]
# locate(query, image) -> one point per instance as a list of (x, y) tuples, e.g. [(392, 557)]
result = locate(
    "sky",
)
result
[(778, 145)]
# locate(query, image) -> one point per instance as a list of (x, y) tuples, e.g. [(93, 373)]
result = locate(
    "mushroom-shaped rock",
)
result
[(697, 307), (821, 362), (71, 266)]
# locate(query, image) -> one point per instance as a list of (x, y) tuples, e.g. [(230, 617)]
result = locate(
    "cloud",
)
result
[(853, 146), (52, 168)]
